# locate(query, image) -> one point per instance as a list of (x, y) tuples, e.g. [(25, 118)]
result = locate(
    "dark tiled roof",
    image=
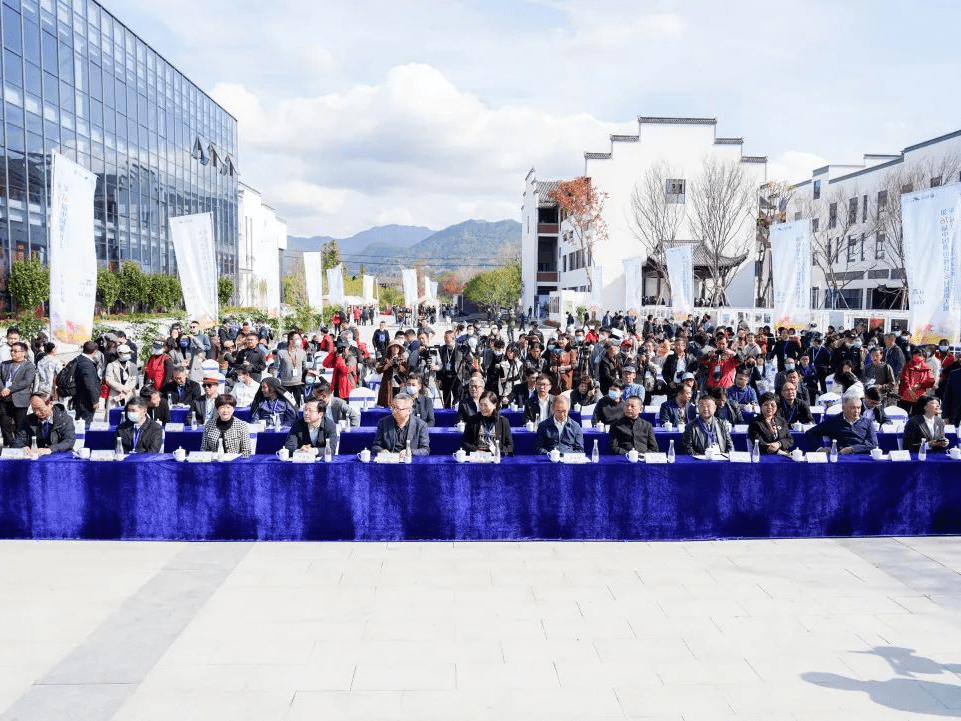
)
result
[(677, 121), (699, 256), (543, 188), (932, 141), (597, 156), (753, 158), (729, 141), (625, 138)]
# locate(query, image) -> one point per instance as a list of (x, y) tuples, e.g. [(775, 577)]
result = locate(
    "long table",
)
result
[(155, 497)]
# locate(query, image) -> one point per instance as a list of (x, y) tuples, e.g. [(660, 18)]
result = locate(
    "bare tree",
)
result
[(837, 247), (886, 221), (724, 203), (772, 208), (657, 211)]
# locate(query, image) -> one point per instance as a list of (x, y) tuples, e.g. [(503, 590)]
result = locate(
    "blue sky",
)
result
[(355, 114)]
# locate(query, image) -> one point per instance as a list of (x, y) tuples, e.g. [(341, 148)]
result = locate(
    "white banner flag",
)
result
[(791, 273), (432, 290), (314, 277), (335, 285), (410, 286), (929, 221), (73, 259), (597, 286), (680, 272), (193, 241), (633, 283), (368, 289)]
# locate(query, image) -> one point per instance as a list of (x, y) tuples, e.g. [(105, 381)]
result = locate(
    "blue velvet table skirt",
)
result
[(154, 497)]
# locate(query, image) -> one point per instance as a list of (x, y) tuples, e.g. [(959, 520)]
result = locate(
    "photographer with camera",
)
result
[(394, 369), (344, 365), (425, 363), (447, 370)]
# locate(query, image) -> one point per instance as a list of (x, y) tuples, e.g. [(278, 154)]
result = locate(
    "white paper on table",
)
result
[(15, 454), (655, 458), (740, 457), (101, 455), (900, 455), (740, 428), (386, 457), (816, 457), (175, 428), (200, 456)]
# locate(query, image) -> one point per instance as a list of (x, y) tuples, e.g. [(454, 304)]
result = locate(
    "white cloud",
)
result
[(793, 166)]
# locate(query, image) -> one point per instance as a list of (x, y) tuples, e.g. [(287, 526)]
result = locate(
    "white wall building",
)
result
[(855, 214), (262, 238), (550, 262)]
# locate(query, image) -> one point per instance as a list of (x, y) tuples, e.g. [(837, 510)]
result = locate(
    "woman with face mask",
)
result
[(121, 377), (611, 405)]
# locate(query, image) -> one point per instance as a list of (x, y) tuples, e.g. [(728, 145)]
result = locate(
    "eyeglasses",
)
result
[(400, 409), (211, 385)]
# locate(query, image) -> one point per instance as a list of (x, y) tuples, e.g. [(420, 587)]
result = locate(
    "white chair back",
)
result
[(362, 398), (896, 413), (833, 410), (828, 400)]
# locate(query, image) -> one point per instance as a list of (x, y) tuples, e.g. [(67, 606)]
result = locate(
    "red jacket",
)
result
[(915, 373), (343, 381)]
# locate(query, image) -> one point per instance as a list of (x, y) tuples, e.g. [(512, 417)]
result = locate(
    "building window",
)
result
[(879, 241), (852, 211), (864, 210), (815, 225), (833, 216), (907, 188), (797, 215), (674, 190), (817, 189), (565, 263), (862, 247), (882, 202), (852, 244), (936, 181)]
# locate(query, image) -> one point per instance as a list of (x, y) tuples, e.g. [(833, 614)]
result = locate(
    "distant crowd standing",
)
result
[(712, 378)]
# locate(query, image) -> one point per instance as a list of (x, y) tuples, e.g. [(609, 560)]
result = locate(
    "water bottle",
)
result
[(497, 451), (670, 452), (596, 453), (834, 452), (276, 421), (408, 458), (33, 448), (118, 451), (220, 449), (756, 452), (328, 452), (923, 451), (193, 421)]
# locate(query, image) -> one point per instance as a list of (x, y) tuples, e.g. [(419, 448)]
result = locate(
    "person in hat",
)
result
[(121, 377), (394, 369), (204, 408), (137, 432), (632, 389)]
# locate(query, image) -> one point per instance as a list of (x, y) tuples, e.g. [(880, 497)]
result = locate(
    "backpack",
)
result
[(66, 379)]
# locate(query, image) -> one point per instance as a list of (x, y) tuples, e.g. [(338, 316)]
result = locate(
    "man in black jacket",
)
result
[(137, 432), (313, 431), (50, 424), (630, 431), (86, 400), (181, 391)]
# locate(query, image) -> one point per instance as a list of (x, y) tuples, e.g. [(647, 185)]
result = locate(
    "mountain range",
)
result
[(465, 248)]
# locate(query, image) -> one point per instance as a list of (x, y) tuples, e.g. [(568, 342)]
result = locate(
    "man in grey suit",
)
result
[(16, 381), (401, 430)]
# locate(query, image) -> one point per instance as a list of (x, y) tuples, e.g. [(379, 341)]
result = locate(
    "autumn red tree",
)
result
[(582, 207), (450, 286)]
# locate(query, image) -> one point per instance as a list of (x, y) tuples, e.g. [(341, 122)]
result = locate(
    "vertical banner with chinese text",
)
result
[(409, 276), (313, 276), (73, 258), (680, 273), (192, 237), (791, 273), (929, 221), (633, 283)]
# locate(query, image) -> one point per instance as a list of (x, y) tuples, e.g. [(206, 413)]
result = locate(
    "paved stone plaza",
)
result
[(808, 630)]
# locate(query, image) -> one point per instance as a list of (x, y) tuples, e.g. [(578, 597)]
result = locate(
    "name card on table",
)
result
[(740, 457), (303, 457), (816, 457), (385, 457), (175, 427), (655, 458), (900, 455), (99, 426), (14, 454), (480, 457), (200, 457), (740, 428), (574, 458), (948, 428), (102, 455)]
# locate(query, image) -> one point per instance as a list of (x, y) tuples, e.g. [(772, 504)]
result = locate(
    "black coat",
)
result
[(60, 437), (626, 434), (474, 435), (300, 435), (88, 387), (150, 441), (191, 392), (758, 430)]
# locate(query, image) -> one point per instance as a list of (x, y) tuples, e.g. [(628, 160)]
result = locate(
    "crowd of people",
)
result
[(709, 379)]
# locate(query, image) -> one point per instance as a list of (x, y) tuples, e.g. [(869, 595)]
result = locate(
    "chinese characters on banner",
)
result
[(791, 271), (680, 272)]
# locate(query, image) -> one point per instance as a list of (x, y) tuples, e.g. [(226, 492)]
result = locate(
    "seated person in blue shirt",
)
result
[(632, 389), (706, 431), (726, 410), (49, 424), (852, 431), (468, 404), (423, 407), (487, 427), (400, 428), (679, 409), (271, 399), (742, 393), (313, 431), (559, 431), (610, 407), (137, 432)]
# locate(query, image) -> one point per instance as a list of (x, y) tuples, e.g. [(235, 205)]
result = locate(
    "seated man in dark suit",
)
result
[(137, 432), (631, 432), (49, 424), (423, 407), (539, 406), (679, 409), (559, 432), (706, 431), (312, 432), (874, 406), (400, 429), (180, 390), (926, 427), (522, 392), (467, 406), (852, 431), (791, 408)]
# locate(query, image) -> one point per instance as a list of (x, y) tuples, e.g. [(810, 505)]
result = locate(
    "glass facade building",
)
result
[(77, 81)]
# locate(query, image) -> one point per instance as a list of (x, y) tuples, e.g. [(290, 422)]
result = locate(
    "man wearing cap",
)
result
[(121, 377), (137, 432), (203, 408), (630, 388), (200, 340)]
